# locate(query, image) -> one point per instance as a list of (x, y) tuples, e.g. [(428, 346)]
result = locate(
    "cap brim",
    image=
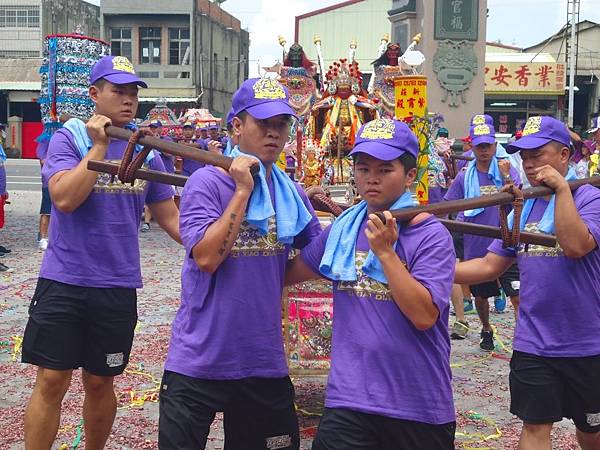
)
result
[(378, 150), (483, 140), (270, 109), (125, 78), (527, 143)]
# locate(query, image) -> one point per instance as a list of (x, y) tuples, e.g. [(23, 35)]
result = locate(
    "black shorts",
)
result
[(352, 430), (459, 247), (258, 413), (46, 205), (544, 390), (509, 281), (73, 326)]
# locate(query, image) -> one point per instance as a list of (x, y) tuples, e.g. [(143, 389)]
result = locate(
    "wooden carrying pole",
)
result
[(142, 174), (546, 240), (501, 198), (172, 148)]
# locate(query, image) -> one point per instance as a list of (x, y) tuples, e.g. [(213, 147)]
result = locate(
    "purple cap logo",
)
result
[(120, 63), (385, 139), (533, 125), (378, 129), (262, 98), (482, 134), (538, 131), (268, 89), (481, 130), (116, 70), (480, 119)]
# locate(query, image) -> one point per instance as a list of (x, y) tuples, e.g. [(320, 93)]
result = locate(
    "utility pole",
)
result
[(572, 49)]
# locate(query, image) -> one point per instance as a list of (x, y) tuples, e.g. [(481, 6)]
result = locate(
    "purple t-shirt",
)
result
[(97, 244), (41, 152), (229, 323), (436, 194), (189, 165), (2, 178), (559, 313), (476, 246), (168, 160), (461, 163), (380, 363)]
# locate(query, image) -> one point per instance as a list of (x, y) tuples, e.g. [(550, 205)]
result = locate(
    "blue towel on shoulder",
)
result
[(83, 141), (471, 183), (2, 154), (228, 148), (291, 214), (546, 224), (338, 261)]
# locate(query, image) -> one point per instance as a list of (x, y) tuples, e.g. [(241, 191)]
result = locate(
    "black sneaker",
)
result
[(4, 249), (5, 268), (487, 341)]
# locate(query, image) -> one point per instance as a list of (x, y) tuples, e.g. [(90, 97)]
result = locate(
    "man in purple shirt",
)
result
[(226, 352), (83, 312), (46, 205), (156, 127), (555, 367), (484, 176), (189, 165), (390, 385)]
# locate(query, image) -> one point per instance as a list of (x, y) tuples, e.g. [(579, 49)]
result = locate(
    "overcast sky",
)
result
[(514, 22)]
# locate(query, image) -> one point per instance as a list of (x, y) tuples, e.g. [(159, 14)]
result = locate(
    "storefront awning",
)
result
[(20, 86), (524, 74)]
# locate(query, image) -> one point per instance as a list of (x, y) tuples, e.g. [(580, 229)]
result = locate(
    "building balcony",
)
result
[(146, 7), (165, 76)]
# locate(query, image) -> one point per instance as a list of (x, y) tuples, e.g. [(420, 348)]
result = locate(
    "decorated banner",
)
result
[(411, 103), (509, 77), (65, 74), (307, 322), (411, 96)]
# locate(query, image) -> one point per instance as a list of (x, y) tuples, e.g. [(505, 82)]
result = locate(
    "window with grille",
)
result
[(144, 75), (19, 54), (19, 16), (179, 44), (150, 45), (120, 42)]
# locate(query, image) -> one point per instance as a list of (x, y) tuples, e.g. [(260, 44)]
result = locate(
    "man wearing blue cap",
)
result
[(189, 166), (84, 309), (484, 176), (203, 133), (226, 352), (389, 386), (555, 367)]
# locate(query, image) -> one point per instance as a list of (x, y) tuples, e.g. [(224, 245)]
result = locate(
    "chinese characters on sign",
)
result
[(411, 101), (547, 78), (411, 96), (456, 19)]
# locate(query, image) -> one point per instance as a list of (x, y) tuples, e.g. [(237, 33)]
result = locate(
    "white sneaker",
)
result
[(43, 244)]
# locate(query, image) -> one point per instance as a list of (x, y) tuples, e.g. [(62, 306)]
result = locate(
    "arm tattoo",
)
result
[(226, 241)]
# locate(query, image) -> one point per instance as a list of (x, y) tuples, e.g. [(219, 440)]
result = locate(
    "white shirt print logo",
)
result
[(114, 359)]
